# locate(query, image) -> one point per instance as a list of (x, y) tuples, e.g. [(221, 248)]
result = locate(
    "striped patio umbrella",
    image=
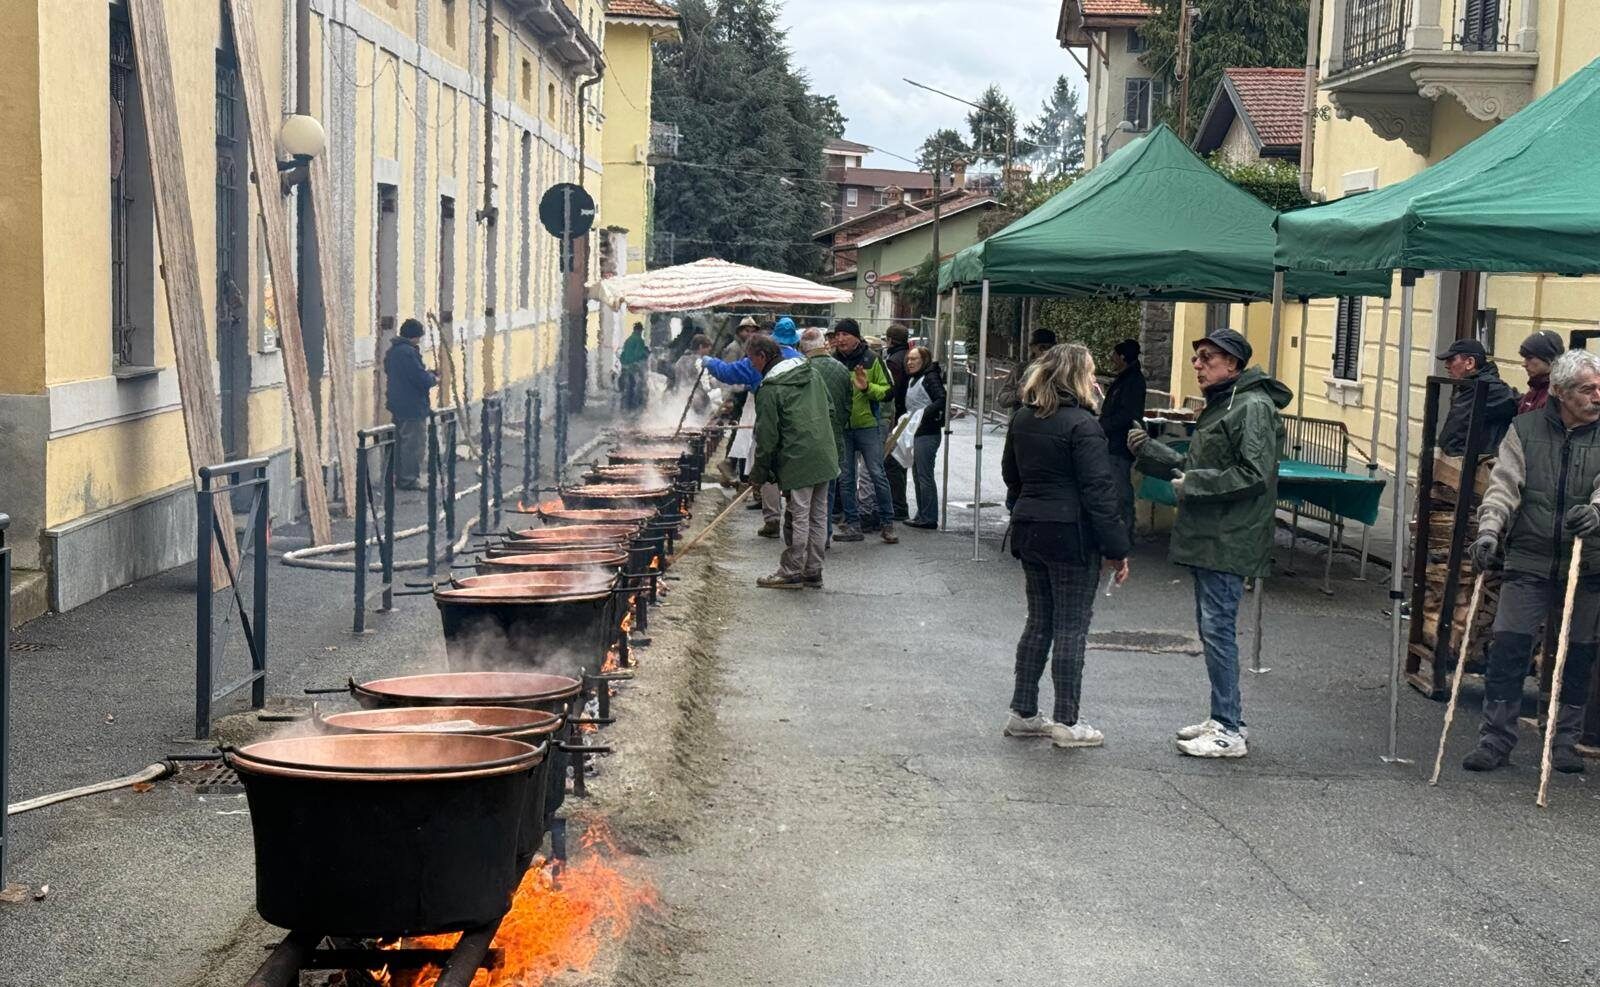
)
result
[(712, 283)]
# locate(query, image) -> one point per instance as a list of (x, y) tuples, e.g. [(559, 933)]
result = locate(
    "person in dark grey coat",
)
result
[(1466, 359), (408, 386), (1064, 521), (1123, 408)]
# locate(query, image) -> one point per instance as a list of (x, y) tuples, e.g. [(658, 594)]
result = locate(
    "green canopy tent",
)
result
[(1153, 222), (1520, 199)]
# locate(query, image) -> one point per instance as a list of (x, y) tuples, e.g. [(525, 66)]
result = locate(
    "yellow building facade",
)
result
[(1394, 99), (96, 472)]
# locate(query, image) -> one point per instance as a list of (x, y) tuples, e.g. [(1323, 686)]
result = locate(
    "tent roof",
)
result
[(711, 283), (1521, 198), (1154, 221)]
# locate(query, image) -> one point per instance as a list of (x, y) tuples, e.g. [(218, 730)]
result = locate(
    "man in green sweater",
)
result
[(635, 352), (864, 433), (795, 449)]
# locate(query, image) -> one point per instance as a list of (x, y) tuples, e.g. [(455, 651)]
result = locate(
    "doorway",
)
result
[(386, 265)]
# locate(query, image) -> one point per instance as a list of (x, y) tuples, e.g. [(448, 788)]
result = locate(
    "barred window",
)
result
[(1347, 338)]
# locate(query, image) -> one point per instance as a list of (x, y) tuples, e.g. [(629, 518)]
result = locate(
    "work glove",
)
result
[(1583, 521), (1483, 550), (1177, 486), (1137, 437)]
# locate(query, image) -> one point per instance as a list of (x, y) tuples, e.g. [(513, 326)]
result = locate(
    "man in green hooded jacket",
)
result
[(795, 449), (1227, 487), (635, 351)]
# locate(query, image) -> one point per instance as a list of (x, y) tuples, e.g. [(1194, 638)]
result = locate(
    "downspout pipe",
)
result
[(583, 118), (1308, 137)]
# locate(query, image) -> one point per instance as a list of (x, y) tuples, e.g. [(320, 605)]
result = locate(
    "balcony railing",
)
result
[(1378, 30), (663, 141)]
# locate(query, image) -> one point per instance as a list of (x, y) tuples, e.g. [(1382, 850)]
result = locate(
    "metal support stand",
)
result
[(441, 470), (1402, 411), (1372, 449), (499, 457), (562, 415), (530, 490), (8, 891), (1255, 644), (536, 426), (977, 429), (208, 534), (381, 438)]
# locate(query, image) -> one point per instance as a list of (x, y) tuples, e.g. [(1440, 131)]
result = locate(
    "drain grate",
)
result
[(1160, 642), (32, 646), (208, 778)]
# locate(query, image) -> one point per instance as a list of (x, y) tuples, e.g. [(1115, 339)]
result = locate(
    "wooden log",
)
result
[(341, 368), (180, 263), (263, 126)]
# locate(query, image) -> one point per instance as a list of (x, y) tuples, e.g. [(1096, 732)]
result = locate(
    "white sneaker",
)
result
[(1032, 726), (1080, 734), (1209, 726), (1216, 743)]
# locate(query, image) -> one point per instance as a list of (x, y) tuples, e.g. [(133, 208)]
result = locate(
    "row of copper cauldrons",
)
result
[(419, 812)]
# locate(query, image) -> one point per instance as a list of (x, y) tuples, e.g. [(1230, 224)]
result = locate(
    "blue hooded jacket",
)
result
[(742, 371)]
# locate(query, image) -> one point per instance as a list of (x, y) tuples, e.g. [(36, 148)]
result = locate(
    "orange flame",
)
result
[(557, 923)]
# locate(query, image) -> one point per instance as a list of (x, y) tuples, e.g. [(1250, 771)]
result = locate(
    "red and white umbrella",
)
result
[(712, 283)]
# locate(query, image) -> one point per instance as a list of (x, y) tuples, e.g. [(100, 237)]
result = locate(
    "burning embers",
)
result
[(560, 919)]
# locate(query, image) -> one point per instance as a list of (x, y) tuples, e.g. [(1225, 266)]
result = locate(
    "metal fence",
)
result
[(1377, 30), (252, 619), (368, 440), (1321, 442), (442, 426)]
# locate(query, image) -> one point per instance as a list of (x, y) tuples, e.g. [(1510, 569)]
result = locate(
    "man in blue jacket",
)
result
[(742, 371), (408, 384)]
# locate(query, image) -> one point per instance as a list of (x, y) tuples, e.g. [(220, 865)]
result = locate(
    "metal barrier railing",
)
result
[(210, 537), (1321, 442), (560, 430), (382, 439), (5, 700), (442, 425), (491, 461), (532, 443)]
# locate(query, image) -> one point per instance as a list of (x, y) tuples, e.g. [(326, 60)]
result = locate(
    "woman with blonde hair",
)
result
[(1064, 522)]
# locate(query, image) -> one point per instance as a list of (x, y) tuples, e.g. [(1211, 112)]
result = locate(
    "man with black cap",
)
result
[(407, 384), (1040, 342), (1466, 359), (1123, 406), (1226, 485), (1538, 352)]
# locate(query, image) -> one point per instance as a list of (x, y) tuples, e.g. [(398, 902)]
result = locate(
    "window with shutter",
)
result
[(1480, 25), (1136, 43), (1347, 339), (1136, 103)]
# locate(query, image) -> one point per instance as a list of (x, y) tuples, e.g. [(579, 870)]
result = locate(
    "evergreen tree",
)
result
[(747, 185), (1055, 140), (1226, 34), (992, 125), (941, 149), (826, 109)]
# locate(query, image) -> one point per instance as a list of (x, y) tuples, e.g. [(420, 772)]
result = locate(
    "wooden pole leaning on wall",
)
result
[(180, 265), (263, 126), (341, 368)]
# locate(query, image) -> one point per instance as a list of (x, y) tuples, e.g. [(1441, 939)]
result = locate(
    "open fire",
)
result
[(558, 921)]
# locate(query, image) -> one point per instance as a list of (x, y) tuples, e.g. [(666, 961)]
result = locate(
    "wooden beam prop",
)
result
[(180, 265), (341, 368), (263, 125)]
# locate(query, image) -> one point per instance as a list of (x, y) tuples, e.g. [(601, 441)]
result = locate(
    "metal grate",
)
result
[(33, 646), (208, 778)]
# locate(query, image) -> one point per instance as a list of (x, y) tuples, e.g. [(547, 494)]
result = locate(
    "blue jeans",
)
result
[(869, 442), (927, 451), (1216, 615)]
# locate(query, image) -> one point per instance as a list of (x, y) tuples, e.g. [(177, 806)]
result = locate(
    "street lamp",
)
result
[(300, 139)]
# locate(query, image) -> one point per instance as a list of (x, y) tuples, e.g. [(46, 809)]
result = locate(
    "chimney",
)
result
[(958, 174), (1016, 176)]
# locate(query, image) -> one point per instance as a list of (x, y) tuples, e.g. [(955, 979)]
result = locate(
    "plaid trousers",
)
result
[(1060, 604)]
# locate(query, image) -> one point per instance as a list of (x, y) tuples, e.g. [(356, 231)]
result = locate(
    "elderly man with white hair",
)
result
[(1541, 496)]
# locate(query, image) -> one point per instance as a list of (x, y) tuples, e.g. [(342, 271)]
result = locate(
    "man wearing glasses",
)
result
[(1226, 485)]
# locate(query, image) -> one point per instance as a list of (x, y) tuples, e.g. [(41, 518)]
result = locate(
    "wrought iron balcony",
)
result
[(663, 142), (1390, 60)]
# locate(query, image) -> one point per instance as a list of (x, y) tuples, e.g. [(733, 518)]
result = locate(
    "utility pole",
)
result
[(488, 214), (1182, 72)]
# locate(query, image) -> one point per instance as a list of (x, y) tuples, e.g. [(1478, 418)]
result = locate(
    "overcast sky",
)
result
[(859, 50)]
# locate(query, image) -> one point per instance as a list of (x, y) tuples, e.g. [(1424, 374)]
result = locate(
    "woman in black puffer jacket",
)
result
[(1064, 522)]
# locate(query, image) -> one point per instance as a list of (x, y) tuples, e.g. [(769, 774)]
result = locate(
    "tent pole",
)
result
[(949, 387), (1377, 420), (1300, 432), (1277, 323), (977, 430), (1402, 436)]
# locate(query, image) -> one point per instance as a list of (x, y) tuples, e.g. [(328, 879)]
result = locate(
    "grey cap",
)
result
[(1542, 345), (1232, 343)]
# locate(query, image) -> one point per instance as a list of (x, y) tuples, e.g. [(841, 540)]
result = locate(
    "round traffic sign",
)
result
[(567, 210)]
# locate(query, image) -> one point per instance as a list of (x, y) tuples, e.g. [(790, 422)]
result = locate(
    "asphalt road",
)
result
[(872, 826)]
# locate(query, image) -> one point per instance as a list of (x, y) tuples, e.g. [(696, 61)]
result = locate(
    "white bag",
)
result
[(904, 438)]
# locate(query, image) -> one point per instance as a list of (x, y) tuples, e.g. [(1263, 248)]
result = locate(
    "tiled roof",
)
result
[(962, 204), (840, 144), (1117, 8), (1275, 102), (639, 8)]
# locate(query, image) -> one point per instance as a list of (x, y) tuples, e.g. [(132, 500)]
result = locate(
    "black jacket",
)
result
[(1498, 411), (1124, 406), (407, 381), (932, 378), (1058, 473), (895, 359)]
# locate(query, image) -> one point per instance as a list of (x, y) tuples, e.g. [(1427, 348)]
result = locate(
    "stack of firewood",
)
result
[(1441, 527)]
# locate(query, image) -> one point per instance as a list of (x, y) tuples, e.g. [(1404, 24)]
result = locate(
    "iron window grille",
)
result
[(123, 329), (1347, 339)]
